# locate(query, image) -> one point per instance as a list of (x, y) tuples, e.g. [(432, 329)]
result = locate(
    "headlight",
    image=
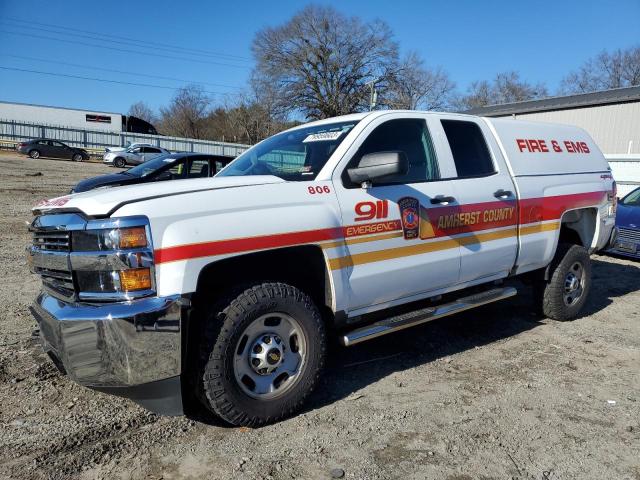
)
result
[(113, 259), (110, 239)]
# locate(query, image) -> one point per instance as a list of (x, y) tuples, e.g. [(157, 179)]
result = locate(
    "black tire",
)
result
[(225, 331), (77, 157), (34, 153), (120, 162), (556, 298)]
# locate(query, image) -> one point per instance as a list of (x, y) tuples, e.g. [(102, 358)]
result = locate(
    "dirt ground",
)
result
[(495, 393)]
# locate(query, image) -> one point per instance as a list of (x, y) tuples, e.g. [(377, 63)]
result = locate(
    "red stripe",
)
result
[(221, 247), (551, 208), (531, 210)]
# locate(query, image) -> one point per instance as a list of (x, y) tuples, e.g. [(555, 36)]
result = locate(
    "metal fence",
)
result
[(97, 140)]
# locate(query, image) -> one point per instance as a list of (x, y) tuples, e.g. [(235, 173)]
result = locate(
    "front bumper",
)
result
[(625, 244), (131, 349)]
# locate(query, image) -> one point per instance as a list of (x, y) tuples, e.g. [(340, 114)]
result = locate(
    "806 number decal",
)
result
[(318, 189)]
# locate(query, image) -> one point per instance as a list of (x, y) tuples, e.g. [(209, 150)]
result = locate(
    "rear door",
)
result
[(393, 250), (486, 196)]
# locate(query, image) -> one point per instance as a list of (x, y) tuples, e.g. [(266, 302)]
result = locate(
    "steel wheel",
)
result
[(269, 356), (120, 163), (34, 154), (573, 284)]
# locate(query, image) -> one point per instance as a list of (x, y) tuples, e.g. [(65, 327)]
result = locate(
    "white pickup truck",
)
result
[(223, 289)]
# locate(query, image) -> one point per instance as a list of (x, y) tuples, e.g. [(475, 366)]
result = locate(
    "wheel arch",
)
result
[(579, 226), (303, 266)]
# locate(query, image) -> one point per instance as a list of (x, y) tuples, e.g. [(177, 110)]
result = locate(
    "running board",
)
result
[(406, 320)]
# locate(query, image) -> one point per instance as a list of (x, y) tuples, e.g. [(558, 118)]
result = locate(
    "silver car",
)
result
[(133, 155)]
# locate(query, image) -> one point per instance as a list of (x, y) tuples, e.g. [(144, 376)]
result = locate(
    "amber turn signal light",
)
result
[(133, 237), (135, 279)]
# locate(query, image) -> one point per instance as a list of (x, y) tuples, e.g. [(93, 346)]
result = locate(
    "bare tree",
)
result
[(186, 114), (620, 68), (506, 87), (412, 86), (319, 62), (142, 110)]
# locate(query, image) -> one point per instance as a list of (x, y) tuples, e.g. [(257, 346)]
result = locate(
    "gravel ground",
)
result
[(495, 393)]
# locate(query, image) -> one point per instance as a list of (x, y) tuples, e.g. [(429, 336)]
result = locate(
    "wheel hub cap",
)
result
[(574, 284), (267, 353)]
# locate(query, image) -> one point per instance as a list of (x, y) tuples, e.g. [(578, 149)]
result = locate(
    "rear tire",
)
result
[(261, 354), (34, 153), (76, 157), (565, 293), (119, 162)]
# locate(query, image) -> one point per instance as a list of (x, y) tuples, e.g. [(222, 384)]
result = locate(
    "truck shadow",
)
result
[(351, 369)]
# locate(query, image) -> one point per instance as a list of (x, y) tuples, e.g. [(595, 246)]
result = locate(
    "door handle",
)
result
[(442, 200), (502, 194)]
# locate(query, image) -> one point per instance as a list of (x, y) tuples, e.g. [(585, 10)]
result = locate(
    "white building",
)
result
[(612, 118), (60, 116)]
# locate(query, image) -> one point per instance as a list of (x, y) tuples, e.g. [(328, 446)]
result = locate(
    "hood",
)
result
[(102, 201), (115, 149), (102, 180), (628, 216)]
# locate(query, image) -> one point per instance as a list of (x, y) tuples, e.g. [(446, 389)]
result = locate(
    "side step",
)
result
[(406, 320)]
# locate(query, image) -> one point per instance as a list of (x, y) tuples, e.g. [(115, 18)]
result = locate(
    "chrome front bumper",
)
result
[(128, 349)]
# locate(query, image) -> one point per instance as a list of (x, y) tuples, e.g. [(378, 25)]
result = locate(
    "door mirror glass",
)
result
[(377, 166)]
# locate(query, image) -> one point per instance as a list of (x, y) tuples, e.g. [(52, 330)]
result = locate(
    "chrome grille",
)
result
[(628, 235), (52, 241), (59, 280)]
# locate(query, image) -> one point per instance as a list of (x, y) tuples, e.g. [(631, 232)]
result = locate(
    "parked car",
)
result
[(133, 155), (122, 149), (173, 166), (626, 240), (44, 147)]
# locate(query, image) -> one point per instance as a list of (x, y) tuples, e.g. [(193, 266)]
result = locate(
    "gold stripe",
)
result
[(420, 248), (540, 227), (352, 241)]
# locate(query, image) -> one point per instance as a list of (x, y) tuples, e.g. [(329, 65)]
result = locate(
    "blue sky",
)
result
[(542, 40)]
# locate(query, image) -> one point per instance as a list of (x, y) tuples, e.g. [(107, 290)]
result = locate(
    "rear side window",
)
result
[(469, 148)]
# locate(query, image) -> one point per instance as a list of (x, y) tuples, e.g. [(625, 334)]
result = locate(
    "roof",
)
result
[(582, 100), (356, 117), (60, 108)]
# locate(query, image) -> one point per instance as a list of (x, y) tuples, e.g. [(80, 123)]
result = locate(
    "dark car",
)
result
[(44, 147), (627, 237), (172, 166)]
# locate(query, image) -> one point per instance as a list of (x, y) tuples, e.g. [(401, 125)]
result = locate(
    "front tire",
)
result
[(261, 354), (76, 157), (564, 295), (34, 153), (119, 162)]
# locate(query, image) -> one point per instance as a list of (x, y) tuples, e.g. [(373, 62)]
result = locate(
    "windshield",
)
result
[(633, 199), (150, 166), (297, 155)]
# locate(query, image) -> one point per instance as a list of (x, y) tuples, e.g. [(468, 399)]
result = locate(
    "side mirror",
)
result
[(375, 166)]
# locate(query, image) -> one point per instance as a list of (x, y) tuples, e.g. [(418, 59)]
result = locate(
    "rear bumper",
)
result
[(130, 349)]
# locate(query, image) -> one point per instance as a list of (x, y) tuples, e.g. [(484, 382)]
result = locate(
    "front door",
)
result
[(395, 248)]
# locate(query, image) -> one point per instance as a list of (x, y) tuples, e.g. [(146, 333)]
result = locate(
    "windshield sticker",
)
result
[(322, 137)]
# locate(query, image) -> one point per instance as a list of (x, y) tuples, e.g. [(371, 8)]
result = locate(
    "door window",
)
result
[(403, 135), (469, 148), (198, 168)]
